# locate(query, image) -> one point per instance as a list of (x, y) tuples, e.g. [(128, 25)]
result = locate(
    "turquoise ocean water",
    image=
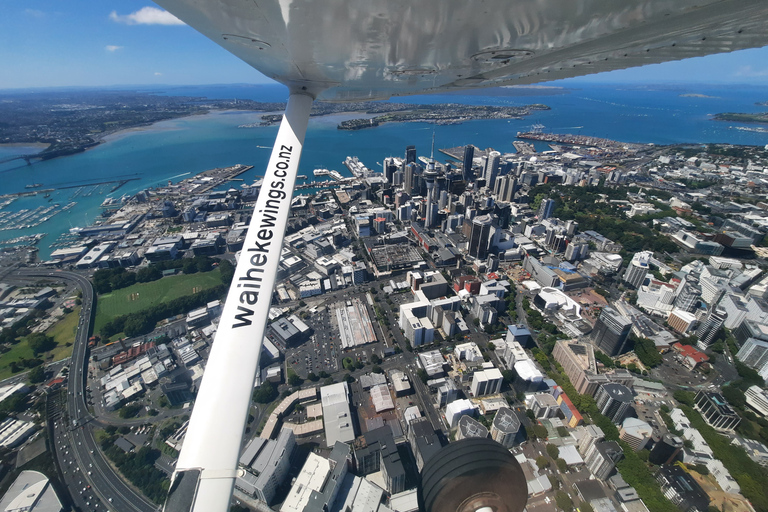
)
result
[(173, 150)]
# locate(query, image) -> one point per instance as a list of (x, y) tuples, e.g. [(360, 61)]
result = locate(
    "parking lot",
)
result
[(320, 352)]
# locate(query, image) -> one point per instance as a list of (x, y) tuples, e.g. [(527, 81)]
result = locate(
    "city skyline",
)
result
[(49, 44)]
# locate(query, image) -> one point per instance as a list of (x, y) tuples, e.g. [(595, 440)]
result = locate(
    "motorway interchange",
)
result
[(93, 483)]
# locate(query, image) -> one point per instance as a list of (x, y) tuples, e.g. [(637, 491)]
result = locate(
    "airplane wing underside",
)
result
[(350, 50)]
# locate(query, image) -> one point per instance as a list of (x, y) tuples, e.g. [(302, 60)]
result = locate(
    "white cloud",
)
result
[(749, 71), (157, 73), (112, 48), (35, 13), (146, 16)]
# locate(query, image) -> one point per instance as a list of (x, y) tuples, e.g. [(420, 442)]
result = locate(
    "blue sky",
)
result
[(50, 43)]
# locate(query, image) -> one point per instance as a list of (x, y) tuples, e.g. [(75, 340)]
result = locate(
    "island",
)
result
[(442, 113)]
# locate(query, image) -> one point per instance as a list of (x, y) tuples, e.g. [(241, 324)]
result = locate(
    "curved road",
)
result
[(94, 468)]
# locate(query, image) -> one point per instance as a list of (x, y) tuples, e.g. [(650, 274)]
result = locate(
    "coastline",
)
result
[(32, 145)]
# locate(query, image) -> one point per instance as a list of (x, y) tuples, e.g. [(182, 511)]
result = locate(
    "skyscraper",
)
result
[(638, 269), (480, 236), (492, 168), (614, 401), (546, 209), (688, 297), (410, 154), (611, 332), (504, 188), (710, 327), (469, 155)]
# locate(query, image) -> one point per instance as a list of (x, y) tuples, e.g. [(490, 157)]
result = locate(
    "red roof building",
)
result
[(690, 357)]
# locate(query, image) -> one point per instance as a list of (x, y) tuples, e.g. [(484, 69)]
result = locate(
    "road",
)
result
[(75, 442)]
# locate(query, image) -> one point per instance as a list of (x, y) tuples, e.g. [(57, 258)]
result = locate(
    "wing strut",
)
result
[(207, 466)]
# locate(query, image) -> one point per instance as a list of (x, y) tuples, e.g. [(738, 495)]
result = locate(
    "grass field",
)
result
[(63, 332), (145, 295)]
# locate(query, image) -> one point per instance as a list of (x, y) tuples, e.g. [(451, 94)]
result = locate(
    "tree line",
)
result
[(106, 280), (144, 321)]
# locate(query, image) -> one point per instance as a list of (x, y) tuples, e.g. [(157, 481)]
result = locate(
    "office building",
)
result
[(543, 405), (410, 154), (716, 411), (665, 449), (601, 458), (265, 464), (709, 328), (480, 236), (470, 427), (469, 155), (681, 321), (636, 433), (376, 451), (757, 398), (754, 353), (486, 382), (317, 485), (579, 363), (614, 401), (546, 209), (679, 487), (492, 168), (611, 332), (592, 434), (458, 408), (688, 295), (505, 428), (504, 188), (637, 269), (424, 442)]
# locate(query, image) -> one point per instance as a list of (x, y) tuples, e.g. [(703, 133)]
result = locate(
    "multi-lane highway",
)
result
[(92, 481)]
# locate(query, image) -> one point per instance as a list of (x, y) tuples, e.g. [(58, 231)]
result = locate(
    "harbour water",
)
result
[(171, 150)]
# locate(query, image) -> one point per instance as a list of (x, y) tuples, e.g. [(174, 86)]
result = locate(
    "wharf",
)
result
[(220, 175), (524, 148)]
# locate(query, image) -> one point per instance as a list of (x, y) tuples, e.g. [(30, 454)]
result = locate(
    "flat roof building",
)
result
[(319, 481), (505, 428), (469, 427), (716, 411), (336, 414), (266, 463), (614, 401), (31, 492)]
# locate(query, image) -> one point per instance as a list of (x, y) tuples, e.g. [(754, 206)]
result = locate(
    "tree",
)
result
[(586, 507), (375, 359), (684, 397), (530, 414), (349, 379), (422, 374), (491, 346), (552, 450), (40, 343), (540, 431), (562, 466), (508, 375), (295, 380), (265, 393), (36, 375), (129, 411), (563, 501), (542, 462), (311, 376), (328, 381), (377, 369)]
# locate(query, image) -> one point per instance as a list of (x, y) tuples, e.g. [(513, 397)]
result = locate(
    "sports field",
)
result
[(63, 332), (145, 295)]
